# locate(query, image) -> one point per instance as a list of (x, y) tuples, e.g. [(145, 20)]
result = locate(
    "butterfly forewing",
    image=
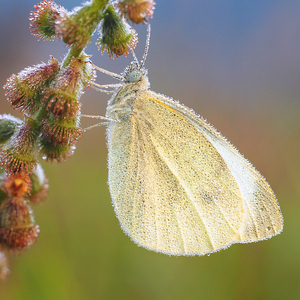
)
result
[(173, 190), (262, 217)]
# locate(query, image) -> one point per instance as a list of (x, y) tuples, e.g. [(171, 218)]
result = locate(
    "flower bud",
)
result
[(34, 186), (65, 132), (19, 154), (17, 229), (17, 185), (116, 38), (23, 89), (58, 138), (136, 10), (62, 98), (42, 21), (8, 125), (76, 29), (58, 153)]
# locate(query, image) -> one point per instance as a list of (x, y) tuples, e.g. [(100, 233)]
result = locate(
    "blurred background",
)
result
[(236, 63)]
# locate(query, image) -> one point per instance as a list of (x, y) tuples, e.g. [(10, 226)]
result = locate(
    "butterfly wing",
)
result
[(261, 217), (172, 190)]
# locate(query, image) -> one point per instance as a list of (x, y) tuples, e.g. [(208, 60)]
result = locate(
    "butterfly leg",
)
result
[(98, 124)]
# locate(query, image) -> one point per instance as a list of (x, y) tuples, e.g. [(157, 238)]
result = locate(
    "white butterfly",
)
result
[(177, 185)]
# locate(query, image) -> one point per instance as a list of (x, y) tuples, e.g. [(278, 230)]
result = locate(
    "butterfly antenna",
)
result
[(147, 44), (135, 59)]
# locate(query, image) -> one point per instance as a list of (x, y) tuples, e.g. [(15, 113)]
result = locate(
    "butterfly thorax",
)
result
[(120, 105)]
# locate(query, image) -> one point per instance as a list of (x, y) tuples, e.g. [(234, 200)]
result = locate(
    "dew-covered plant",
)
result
[(48, 95)]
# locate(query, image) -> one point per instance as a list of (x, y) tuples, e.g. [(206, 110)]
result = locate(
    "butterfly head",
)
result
[(134, 73)]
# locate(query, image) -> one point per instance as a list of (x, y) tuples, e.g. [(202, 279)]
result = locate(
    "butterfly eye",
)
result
[(134, 76)]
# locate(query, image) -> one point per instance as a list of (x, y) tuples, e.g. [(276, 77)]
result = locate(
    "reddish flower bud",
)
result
[(19, 154), (76, 29), (23, 89), (17, 229), (17, 185), (15, 163), (136, 10), (18, 239), (42, 21), (65, 132), (60, 103), (61, 98)]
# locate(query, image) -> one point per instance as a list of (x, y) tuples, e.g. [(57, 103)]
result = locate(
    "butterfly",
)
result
[(177, 185)]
